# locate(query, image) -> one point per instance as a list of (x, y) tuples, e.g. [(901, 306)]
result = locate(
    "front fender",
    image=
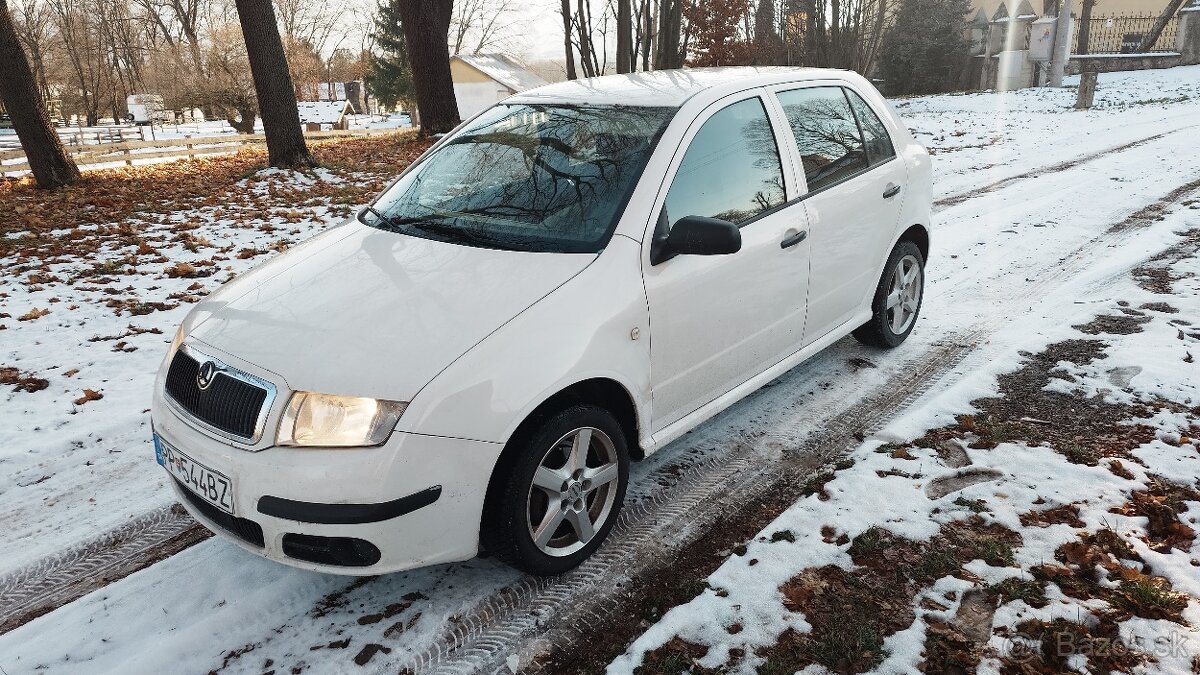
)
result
[(594, 326)]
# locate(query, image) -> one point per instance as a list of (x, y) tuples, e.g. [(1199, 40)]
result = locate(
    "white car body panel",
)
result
[(704, 344), (525, 362), (405, 289), (477, 339)]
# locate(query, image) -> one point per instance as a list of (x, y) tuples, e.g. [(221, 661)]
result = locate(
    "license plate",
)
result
[(212, 486)]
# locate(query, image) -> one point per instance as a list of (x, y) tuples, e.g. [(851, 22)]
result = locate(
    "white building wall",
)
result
[(475, 96)]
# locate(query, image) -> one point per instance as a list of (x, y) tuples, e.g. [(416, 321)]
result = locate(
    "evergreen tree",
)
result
[(389, 76), (926, 49), (768, 46)]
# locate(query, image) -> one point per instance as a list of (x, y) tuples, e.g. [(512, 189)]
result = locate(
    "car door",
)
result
[(717, 321), (853, 196)]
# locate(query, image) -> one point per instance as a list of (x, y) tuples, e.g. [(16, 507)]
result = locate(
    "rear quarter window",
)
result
[(875, 133)]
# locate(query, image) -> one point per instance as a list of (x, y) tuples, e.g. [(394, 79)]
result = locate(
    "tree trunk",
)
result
[(273, 85), (647, 34), (877, 37), (18, 92), (670, 25), (244, 122), (583, 30), (624, 36), (570, 51), (835, 34), (1159, 25), (1085, 26), (426, 28)]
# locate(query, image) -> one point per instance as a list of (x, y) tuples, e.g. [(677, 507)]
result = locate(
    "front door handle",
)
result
[(891, 191), (794, 239)]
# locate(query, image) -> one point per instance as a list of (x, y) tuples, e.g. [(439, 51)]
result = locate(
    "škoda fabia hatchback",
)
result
[(564, 284)]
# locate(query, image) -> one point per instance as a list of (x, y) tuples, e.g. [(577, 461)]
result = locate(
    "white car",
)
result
[(565, 283)]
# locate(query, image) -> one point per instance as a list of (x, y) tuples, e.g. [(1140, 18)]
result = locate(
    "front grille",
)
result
[(230, 404), (246, 530)]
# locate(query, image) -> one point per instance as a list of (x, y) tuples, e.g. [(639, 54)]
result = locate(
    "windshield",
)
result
[(527, 177)]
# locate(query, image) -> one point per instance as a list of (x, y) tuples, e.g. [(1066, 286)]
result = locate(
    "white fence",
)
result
[(129, 152)]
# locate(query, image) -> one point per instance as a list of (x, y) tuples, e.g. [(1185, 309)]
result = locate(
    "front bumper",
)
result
[(414, 501)]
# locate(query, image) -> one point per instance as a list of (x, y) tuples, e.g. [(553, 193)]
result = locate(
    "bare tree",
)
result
[(273, 85), (426, 28), (478, 26), (34, 25), (836, 34), (178, 21), (591, 37), (19, 93), (80, 41), (228, 86), (568, 45), (313, 23), (124, 45), (1159, 24)]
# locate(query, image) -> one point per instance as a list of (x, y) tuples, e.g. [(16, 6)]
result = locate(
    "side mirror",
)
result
[(693, 235)]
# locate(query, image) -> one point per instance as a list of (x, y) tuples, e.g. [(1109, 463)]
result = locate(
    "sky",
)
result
[(543, 35)]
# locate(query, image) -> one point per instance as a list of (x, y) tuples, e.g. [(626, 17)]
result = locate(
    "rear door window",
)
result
[(827, 134)]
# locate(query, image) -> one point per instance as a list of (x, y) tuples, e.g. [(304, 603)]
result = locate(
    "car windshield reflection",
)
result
[(527, 177)]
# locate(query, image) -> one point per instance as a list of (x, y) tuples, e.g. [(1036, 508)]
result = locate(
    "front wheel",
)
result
[(897, 299), (562, 495)]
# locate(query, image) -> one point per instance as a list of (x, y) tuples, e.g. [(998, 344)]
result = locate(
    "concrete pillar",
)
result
[(1187, 40), (1062, 45)]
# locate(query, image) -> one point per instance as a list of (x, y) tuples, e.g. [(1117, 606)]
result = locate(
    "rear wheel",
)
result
[(897, 301), (561, 496)]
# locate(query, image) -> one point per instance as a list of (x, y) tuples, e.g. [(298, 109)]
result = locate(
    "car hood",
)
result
[(359, 311)]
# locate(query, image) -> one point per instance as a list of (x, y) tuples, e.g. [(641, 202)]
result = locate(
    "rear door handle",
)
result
[(794, 239), (891, 191)]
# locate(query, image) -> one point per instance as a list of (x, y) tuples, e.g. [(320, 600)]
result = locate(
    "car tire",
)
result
[(897, 301), (547, 512)]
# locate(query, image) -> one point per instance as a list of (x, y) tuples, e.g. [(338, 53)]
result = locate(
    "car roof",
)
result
[(670, 88)]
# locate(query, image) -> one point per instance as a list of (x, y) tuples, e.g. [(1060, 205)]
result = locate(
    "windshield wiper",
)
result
[(459, 234), (391, 221)]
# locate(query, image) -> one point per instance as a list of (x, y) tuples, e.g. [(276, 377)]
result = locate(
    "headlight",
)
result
[(326, 420)]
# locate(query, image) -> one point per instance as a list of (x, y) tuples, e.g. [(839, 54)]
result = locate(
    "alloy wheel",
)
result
[(573, 492), (904, 298)]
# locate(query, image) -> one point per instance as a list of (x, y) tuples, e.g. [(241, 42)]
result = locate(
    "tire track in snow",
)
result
[(955, 199), (60, 579)]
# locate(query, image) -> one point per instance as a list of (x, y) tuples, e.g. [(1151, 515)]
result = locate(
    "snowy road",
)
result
[(1028, 237)]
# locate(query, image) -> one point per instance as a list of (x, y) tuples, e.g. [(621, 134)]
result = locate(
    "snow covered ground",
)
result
[(907, 483), (1012, 270)]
